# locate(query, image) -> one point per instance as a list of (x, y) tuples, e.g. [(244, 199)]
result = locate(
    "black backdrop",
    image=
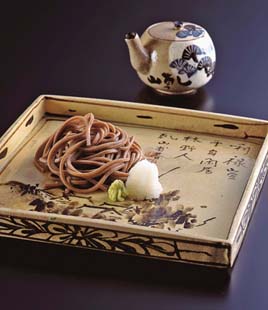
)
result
[(77, 48)]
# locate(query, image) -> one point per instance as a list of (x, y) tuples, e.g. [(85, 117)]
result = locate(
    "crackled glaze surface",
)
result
[(111, 240), (181, 59), (203, 177)]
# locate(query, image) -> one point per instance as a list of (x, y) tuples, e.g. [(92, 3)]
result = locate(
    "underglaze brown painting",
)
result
[(211, 166), (202, 176)]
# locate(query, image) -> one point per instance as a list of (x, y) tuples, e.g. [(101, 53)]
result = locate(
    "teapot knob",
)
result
[(178, 24)]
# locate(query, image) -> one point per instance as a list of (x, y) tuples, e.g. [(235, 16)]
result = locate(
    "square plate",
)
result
[(211, 167)]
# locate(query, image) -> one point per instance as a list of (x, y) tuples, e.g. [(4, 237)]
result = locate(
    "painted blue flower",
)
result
[(190, 30), (182, 33), (197, 32), (178, 64), (190, 27), (183, 67), (189, 70)]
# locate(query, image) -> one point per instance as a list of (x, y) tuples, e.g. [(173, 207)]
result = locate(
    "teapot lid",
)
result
[(176, 31)]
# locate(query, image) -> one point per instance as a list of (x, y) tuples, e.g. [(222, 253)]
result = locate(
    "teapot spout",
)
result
[(139, 56)]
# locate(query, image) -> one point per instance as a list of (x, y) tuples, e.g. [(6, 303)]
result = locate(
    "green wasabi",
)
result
[(117, 191)]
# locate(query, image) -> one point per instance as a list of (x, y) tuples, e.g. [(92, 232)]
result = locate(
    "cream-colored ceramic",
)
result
[(211, 167), (173, 57)]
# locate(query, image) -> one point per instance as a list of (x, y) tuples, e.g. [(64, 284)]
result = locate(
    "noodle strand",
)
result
[(85, 155)]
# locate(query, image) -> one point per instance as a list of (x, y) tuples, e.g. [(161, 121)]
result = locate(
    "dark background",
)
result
[(77, 48)]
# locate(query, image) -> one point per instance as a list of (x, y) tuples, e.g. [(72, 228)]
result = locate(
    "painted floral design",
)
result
[(191, 52), (206, 64), (189, 30), (190, 63), (166, 212), (109, 240), (252, 201), (183, 67), (160, 213)]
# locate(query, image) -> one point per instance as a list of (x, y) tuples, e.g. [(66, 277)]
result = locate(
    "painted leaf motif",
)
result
[(183, 67), (163, 247), (204, 62), (56, 229), (181, 71), (181, 219), (182, 34), (7, 224), (191, 52), (105, 235), (55, 238), (189, 70), (65, 237), (197, 32), (136, 239), (96, 244), (104, 244), (125, 248), (103, 239), (176, 214), (28, 231), (190, 27), (178, 63)]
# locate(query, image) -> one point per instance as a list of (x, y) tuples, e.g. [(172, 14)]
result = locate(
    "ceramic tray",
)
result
[(211, 166)]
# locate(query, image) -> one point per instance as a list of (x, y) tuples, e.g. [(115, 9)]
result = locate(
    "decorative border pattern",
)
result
[(252, 201), (115, 241)]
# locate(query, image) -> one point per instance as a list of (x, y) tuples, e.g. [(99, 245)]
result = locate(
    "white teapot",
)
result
[(173, 57)]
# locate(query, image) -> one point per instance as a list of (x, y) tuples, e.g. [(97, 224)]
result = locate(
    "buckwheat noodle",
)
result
[(85, 155)]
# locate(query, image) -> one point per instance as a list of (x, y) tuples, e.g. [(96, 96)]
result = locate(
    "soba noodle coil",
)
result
[(85, 155)]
